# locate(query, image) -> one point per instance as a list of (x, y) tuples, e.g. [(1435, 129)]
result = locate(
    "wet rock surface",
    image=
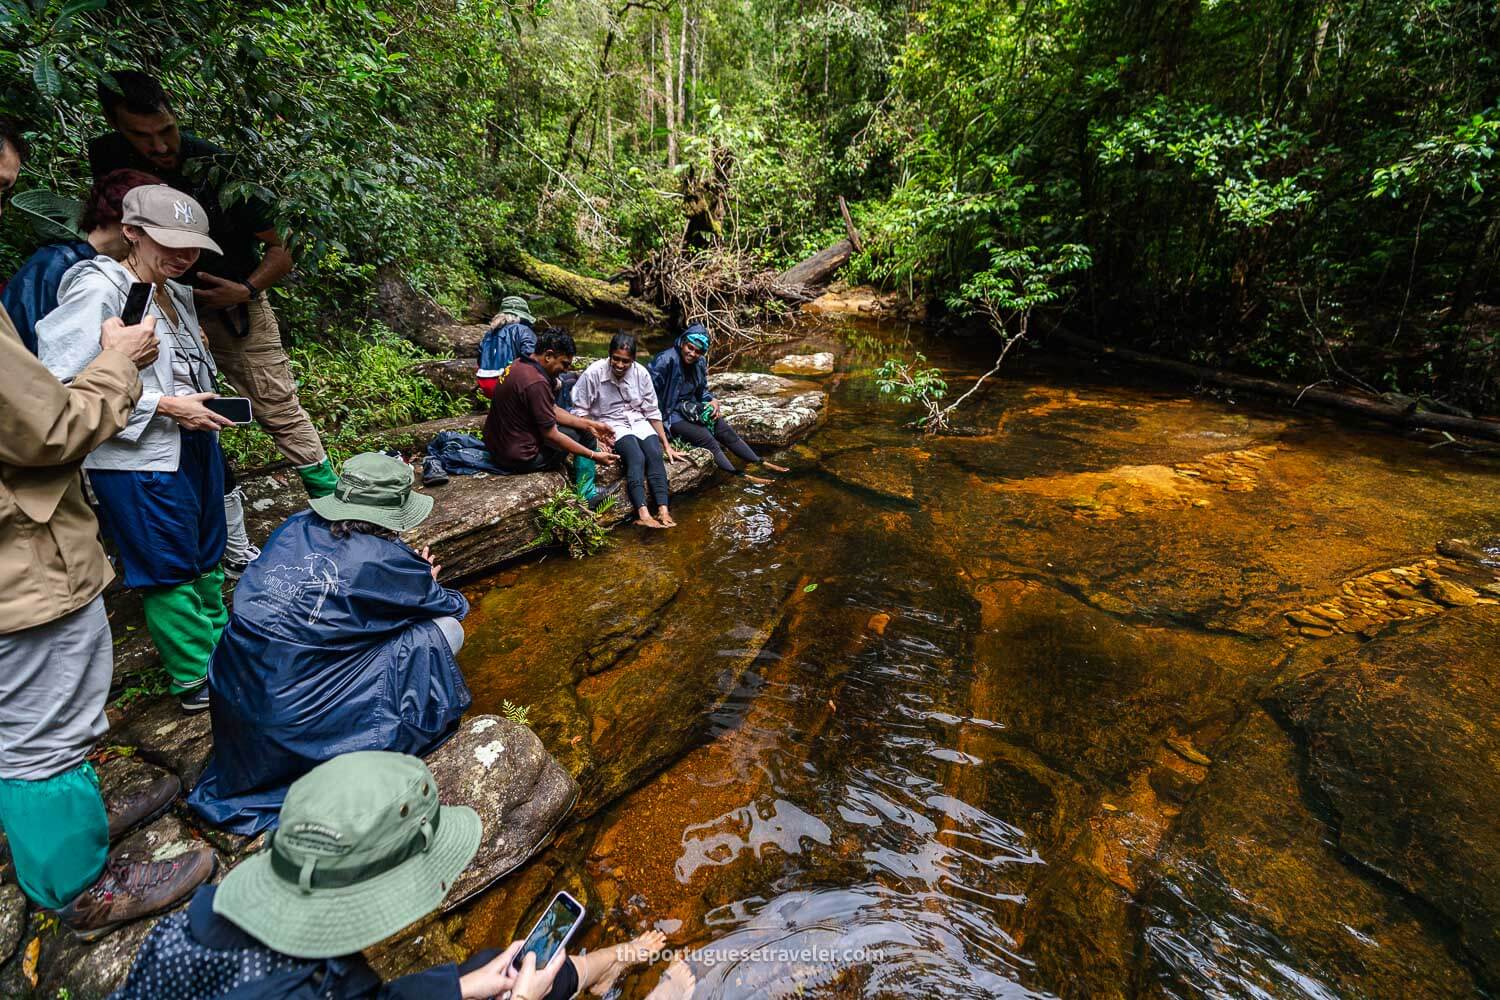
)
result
[(804, 364), (1401, 737), (842, 299), (13, 908)]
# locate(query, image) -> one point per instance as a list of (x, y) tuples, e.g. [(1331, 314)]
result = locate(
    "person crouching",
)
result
[(341, 640)]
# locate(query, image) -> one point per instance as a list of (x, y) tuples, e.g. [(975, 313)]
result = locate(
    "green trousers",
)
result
[(319, 479), (185, 622), (58, 833)]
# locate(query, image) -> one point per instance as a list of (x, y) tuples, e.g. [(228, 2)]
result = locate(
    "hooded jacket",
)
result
[(332, 648), (681, 390), (51, 563), (68, 340), (31, 292)]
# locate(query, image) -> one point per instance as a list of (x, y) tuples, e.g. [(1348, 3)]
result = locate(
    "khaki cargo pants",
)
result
[(257, 366)]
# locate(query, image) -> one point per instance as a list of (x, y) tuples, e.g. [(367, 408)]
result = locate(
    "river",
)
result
[(935, 716)]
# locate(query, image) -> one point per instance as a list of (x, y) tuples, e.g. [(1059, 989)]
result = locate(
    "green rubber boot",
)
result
[(584, 472), (319, 479)]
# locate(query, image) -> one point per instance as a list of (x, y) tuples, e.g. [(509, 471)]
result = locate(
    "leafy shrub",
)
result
[(565, 519)]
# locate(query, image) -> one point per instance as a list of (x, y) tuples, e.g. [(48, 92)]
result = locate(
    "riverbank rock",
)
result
[(804, 364), (501, 771), (768, 411), (842, 299), (163, 734), (1402, 736), (13, 906)]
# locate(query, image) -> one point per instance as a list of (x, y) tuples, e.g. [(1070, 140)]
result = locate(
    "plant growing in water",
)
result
[(1015, 283), (565, 519), (910, 383)]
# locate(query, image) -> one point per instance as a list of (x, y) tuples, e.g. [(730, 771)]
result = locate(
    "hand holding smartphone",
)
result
[(136, 301), (552, 932), (236, 408)]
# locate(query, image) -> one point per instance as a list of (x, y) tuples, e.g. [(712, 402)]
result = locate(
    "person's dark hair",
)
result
[(343, 529), (11, 138), (623, 341), (103, 206), (136, 92), (557, 341)]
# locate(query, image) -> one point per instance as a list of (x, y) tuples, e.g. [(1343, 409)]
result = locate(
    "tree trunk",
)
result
[(819, 268), (1403, 416), (610, 298), (669, 92), (682, 70)]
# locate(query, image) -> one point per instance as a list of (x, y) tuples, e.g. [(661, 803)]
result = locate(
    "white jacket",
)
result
[(68, 339)]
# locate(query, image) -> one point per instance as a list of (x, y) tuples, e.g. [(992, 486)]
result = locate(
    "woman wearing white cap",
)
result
[(160, 481)]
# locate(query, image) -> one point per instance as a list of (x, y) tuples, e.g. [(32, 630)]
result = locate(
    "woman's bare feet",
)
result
[(623, 956), (775, 468), (644, 519), (665, 517), (677, 983), (758, 480)]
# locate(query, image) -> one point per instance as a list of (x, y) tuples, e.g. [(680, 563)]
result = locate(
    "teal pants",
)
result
[(58, 833)]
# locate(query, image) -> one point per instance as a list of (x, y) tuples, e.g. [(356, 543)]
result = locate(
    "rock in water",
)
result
[(805, 364), (502, 772), (1402, 735)]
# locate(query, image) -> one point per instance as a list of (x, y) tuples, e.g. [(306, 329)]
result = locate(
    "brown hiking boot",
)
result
[(145, 795), (131, 890)]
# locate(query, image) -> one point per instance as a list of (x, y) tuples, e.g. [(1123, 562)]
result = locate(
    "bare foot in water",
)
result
[(644, 519), (758, 480), (677, 983), (665, 517), (642, 949), (775, 468)]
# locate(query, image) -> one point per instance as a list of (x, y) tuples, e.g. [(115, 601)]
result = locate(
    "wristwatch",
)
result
[(254, 292)]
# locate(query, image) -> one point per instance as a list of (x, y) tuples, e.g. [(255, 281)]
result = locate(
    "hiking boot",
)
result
[(132, 807), (128, 891), (195, 700), (433, 473)]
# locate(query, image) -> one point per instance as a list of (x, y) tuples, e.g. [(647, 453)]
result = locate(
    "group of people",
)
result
[(336, 670), (543, 414)]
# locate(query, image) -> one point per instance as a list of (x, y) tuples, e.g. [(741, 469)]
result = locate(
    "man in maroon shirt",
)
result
[(526, 430)]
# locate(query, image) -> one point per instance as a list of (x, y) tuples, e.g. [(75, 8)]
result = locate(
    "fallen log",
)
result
[(819, 269), (580, 290), (1372, 409)]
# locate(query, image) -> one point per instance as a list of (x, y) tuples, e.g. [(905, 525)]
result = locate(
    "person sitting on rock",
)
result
[(512, 335), (363, 850), (691, 413), (341, 639), (526, 431), (618, 391)]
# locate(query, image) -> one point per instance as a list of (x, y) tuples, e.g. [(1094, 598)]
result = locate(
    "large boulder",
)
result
[(804, 364), (1402, 737), (501, 771), (768, 410)]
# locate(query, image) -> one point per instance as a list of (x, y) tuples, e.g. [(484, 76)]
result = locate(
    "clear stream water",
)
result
[(943, 673)]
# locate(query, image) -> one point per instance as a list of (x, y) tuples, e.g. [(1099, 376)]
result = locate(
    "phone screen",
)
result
[(236, 408), (552, 931), (136, 301)]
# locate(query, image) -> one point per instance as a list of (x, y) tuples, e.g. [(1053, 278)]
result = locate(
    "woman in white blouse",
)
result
[(619, 393)]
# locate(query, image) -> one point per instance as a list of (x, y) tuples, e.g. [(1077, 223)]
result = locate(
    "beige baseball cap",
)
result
[(168, 216)]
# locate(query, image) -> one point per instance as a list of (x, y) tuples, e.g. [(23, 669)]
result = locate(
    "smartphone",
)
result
[(136, 301), (236, 408), (556, 927)]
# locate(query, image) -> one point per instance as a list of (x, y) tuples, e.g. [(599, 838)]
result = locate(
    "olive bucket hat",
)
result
[(517, 306), (362, 850), (376, 488), (54, 217)]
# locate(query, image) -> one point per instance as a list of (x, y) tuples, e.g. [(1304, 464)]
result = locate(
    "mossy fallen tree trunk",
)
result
[(593, 294), (817, 270)]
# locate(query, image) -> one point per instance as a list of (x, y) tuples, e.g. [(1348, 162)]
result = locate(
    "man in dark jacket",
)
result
[(689, 409)]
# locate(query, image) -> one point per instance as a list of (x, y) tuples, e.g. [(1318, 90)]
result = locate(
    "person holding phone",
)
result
[(230, 293), (160, 480), (362, 850)]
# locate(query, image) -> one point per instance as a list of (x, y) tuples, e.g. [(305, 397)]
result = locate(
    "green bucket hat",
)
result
[(54, 217), (362, 850), (517, 306), (376, 488)]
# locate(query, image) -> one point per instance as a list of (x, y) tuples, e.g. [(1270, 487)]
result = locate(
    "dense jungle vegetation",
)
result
[(1306, 188)]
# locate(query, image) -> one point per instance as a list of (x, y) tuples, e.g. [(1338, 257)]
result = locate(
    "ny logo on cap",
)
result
[(183, 211)]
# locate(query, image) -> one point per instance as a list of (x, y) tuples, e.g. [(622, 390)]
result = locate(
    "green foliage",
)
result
[(912, 384), (518, 714), (353, 389), (565, 519)]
